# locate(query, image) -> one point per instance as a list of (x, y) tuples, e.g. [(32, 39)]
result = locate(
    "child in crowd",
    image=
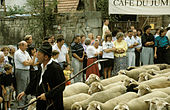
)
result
[(6, 82), (67, 72), (55, 55)]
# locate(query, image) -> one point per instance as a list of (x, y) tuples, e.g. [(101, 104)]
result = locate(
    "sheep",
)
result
[(32, 106), (160, 82), (97, 86), (157, 104), (110, 104), (148, 67), (95, 78), (146, 76), (134, 73), (162, 71), (75, 88), (145, 89), (102, 96), (68, 101), (139, 103), (163, 66)]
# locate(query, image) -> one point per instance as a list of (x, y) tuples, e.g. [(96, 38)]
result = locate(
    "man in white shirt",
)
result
[(137, 48), (132, 43), (63, 51), (22, 66), (105, 27)]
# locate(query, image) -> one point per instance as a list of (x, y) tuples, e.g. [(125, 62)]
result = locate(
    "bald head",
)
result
[(22, 45)]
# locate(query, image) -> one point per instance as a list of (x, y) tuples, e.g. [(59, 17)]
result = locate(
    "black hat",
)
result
[(46, 48)]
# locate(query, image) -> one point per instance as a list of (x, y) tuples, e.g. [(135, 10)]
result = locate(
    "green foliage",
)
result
[(102, 5), (45, 15), (15, 10)]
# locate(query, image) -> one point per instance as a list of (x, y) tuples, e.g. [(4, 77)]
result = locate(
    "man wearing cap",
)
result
[(49, 75), (22, 65)]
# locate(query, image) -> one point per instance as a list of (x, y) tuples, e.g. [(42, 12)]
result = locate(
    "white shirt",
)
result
[(108, 45), (19, 58), (105, 28), (130, 41), (43, 69), (168, 35), (6, 61), (62, 53), (36, 60), (91, 51), (55, 60), (138, 39)]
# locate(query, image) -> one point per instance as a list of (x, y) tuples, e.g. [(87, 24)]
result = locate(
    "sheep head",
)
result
[(143, 89), (131, 68), (92, 78), (144, 77), (128, 81), (76, 106), (157, 104), (94, 106), (122, 72), (121, 107), (95, 87)]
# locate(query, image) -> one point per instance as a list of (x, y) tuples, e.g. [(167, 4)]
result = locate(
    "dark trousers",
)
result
[(137, 58), (162, 54)]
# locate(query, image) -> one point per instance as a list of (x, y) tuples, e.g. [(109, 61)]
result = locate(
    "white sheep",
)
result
[(163, 66), (149, 67), (139, 103), (102, 96), (110, 104), (94, 78), (160, 82), (75, 88), (146, 76), (162, 71), (145, 89), (97, 86), (134, 73), (68, 101), (32, 106), (157, 104)]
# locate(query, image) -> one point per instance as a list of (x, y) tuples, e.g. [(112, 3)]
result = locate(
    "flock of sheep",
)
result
[(137, 88)]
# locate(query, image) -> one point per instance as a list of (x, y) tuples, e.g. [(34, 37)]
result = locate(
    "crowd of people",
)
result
[(36, 72)]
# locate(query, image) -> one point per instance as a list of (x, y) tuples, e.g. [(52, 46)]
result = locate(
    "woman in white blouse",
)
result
[(91, 57), (108, 53)]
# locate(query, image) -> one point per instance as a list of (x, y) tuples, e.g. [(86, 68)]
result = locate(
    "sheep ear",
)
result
[(136, 88), (98, 107), (97, 78), (100, 87), (148, 89), (166, 104), (147, 101), (80, 108), (126, 107), (146, 77)]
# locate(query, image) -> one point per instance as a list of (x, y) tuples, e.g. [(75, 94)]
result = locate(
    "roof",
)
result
[(67, 5)]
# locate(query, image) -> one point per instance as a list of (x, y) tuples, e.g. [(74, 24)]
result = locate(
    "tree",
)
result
[(102, 5), (45, 12)]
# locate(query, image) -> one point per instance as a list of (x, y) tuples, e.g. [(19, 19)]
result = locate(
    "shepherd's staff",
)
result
[(102, 60)]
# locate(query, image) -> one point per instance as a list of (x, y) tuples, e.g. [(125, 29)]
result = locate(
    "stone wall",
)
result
[(13, 30)]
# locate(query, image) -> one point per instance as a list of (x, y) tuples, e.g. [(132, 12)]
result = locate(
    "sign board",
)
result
[(139, 7)]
